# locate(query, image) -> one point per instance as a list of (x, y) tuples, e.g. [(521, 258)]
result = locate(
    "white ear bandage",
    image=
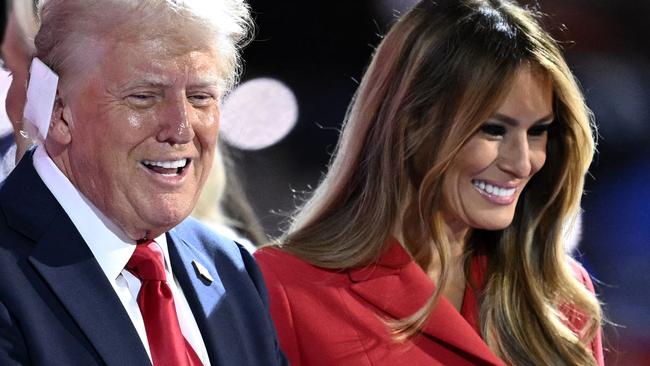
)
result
[(41, 92)]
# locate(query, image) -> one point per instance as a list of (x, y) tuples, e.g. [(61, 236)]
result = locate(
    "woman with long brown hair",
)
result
[(436, 235)]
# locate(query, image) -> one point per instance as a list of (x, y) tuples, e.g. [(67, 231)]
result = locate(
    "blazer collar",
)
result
[(399, 287)]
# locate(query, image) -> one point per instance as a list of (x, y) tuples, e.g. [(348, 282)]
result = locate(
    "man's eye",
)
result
[(141, 100), (200, 100), (539, 130), (141, 96), (493, 130)]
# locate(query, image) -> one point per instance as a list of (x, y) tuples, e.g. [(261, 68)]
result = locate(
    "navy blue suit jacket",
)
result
[(58, 308)]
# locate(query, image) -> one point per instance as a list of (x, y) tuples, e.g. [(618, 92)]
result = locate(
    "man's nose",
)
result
[(176, 122), (515, 157)]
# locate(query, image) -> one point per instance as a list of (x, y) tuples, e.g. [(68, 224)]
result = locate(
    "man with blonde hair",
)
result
[(99, 264)]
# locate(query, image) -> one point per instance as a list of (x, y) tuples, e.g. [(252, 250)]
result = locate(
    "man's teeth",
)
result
[(493, 190), (167, 164)]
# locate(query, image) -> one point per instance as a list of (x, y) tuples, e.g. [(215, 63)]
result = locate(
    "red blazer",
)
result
[(334, 317)]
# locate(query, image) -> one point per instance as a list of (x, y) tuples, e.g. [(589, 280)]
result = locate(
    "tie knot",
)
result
[(146, 263)]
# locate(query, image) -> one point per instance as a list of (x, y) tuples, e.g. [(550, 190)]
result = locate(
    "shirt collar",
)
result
[(109, 244)]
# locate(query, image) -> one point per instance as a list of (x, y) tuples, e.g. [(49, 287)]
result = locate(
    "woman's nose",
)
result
[(515, 157)]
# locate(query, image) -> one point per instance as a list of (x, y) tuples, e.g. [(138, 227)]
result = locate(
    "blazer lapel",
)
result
[(68, 267), (204, 291), (399, 287)]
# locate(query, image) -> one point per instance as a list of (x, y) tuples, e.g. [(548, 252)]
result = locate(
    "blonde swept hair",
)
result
[(69, 27), (436, 77), (223, 201)]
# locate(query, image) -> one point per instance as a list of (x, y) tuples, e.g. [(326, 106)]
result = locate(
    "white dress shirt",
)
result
[(112, 250)]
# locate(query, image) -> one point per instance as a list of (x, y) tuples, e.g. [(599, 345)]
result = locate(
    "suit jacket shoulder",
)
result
[(58, 308), (578, 320), (54, 297)]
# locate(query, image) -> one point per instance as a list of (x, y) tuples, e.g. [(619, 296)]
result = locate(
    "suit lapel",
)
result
[(203, 296), (68, 267), (399, 287), (71, 271)]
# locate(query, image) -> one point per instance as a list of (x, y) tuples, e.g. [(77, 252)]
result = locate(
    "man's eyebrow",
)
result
[(205, 82), (514, 122), (147, 81), (158, 82)]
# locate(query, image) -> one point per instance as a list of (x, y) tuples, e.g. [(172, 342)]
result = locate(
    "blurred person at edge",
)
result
[(436, 236), (222, 204), (16, 52), (99, 263)]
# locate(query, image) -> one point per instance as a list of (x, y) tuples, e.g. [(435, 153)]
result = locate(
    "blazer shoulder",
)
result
[(581, 274), (577, 320), (272, 256), (274, 265), (291, 270)]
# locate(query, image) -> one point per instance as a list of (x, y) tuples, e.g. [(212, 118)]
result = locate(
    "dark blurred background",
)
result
[(319, 49)]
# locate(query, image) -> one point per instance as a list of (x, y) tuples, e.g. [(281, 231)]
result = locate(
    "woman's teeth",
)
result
[(492, 189)]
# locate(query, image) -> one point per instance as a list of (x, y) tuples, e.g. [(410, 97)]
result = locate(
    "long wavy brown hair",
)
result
[(436, 77)]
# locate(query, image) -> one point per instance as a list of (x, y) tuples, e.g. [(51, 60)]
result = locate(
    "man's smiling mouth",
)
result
[(167, 168)]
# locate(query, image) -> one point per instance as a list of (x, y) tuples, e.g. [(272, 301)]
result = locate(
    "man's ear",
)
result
[(61, 122)]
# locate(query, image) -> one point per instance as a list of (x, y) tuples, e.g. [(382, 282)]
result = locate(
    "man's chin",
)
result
[(152, 234), (158, 228), (154, 228)]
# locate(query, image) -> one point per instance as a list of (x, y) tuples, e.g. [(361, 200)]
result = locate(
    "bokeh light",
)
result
[(258, 114)]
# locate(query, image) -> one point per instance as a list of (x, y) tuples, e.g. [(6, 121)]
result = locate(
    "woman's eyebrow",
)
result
[(514, 122)]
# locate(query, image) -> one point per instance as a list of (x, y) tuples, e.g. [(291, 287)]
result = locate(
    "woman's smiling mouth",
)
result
[(494, 193)]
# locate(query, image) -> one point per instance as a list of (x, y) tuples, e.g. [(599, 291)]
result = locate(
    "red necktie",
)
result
[(156, 302)]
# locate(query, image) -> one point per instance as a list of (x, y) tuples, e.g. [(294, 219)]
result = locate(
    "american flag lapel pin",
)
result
[(203, 272)]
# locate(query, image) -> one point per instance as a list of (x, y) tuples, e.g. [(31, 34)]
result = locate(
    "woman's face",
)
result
[(485, 180)]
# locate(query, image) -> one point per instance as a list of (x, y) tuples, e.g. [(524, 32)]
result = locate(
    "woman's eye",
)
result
[(539, 130), (493, 130)]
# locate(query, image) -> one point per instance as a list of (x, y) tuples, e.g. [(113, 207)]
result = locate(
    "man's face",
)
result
[(143, 125)]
